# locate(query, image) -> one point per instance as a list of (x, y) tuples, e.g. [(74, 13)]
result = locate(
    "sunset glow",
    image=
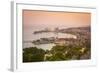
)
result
[(52, 19)]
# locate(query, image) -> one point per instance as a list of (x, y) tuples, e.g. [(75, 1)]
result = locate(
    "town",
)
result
[(79, 36)]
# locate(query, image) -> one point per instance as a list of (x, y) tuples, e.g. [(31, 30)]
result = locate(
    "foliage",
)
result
[(68, 53), (33, 54), (58, 53)]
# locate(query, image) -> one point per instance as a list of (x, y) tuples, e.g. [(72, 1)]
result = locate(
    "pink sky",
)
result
[(55, 19)]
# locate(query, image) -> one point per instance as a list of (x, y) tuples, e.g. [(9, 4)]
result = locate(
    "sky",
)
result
[(33, 19)]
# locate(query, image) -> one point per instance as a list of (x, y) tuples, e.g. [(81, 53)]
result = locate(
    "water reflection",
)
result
[(46, 46)]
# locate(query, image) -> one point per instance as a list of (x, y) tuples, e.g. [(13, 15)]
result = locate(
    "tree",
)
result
[(33, 54)]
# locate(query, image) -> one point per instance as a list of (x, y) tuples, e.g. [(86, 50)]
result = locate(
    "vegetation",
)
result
[(33, 54), (68, 53), (57, 53)]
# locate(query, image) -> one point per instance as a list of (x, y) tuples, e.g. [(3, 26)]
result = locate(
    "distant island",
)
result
[(47, 30)]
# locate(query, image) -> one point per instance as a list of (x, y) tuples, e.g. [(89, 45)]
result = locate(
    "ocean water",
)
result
[(30, 36)]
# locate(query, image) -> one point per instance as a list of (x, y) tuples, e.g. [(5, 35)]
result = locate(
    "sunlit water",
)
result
[(29, 36), (42, 46)]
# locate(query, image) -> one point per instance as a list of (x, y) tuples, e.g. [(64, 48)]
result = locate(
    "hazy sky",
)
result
[(55, 19)]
